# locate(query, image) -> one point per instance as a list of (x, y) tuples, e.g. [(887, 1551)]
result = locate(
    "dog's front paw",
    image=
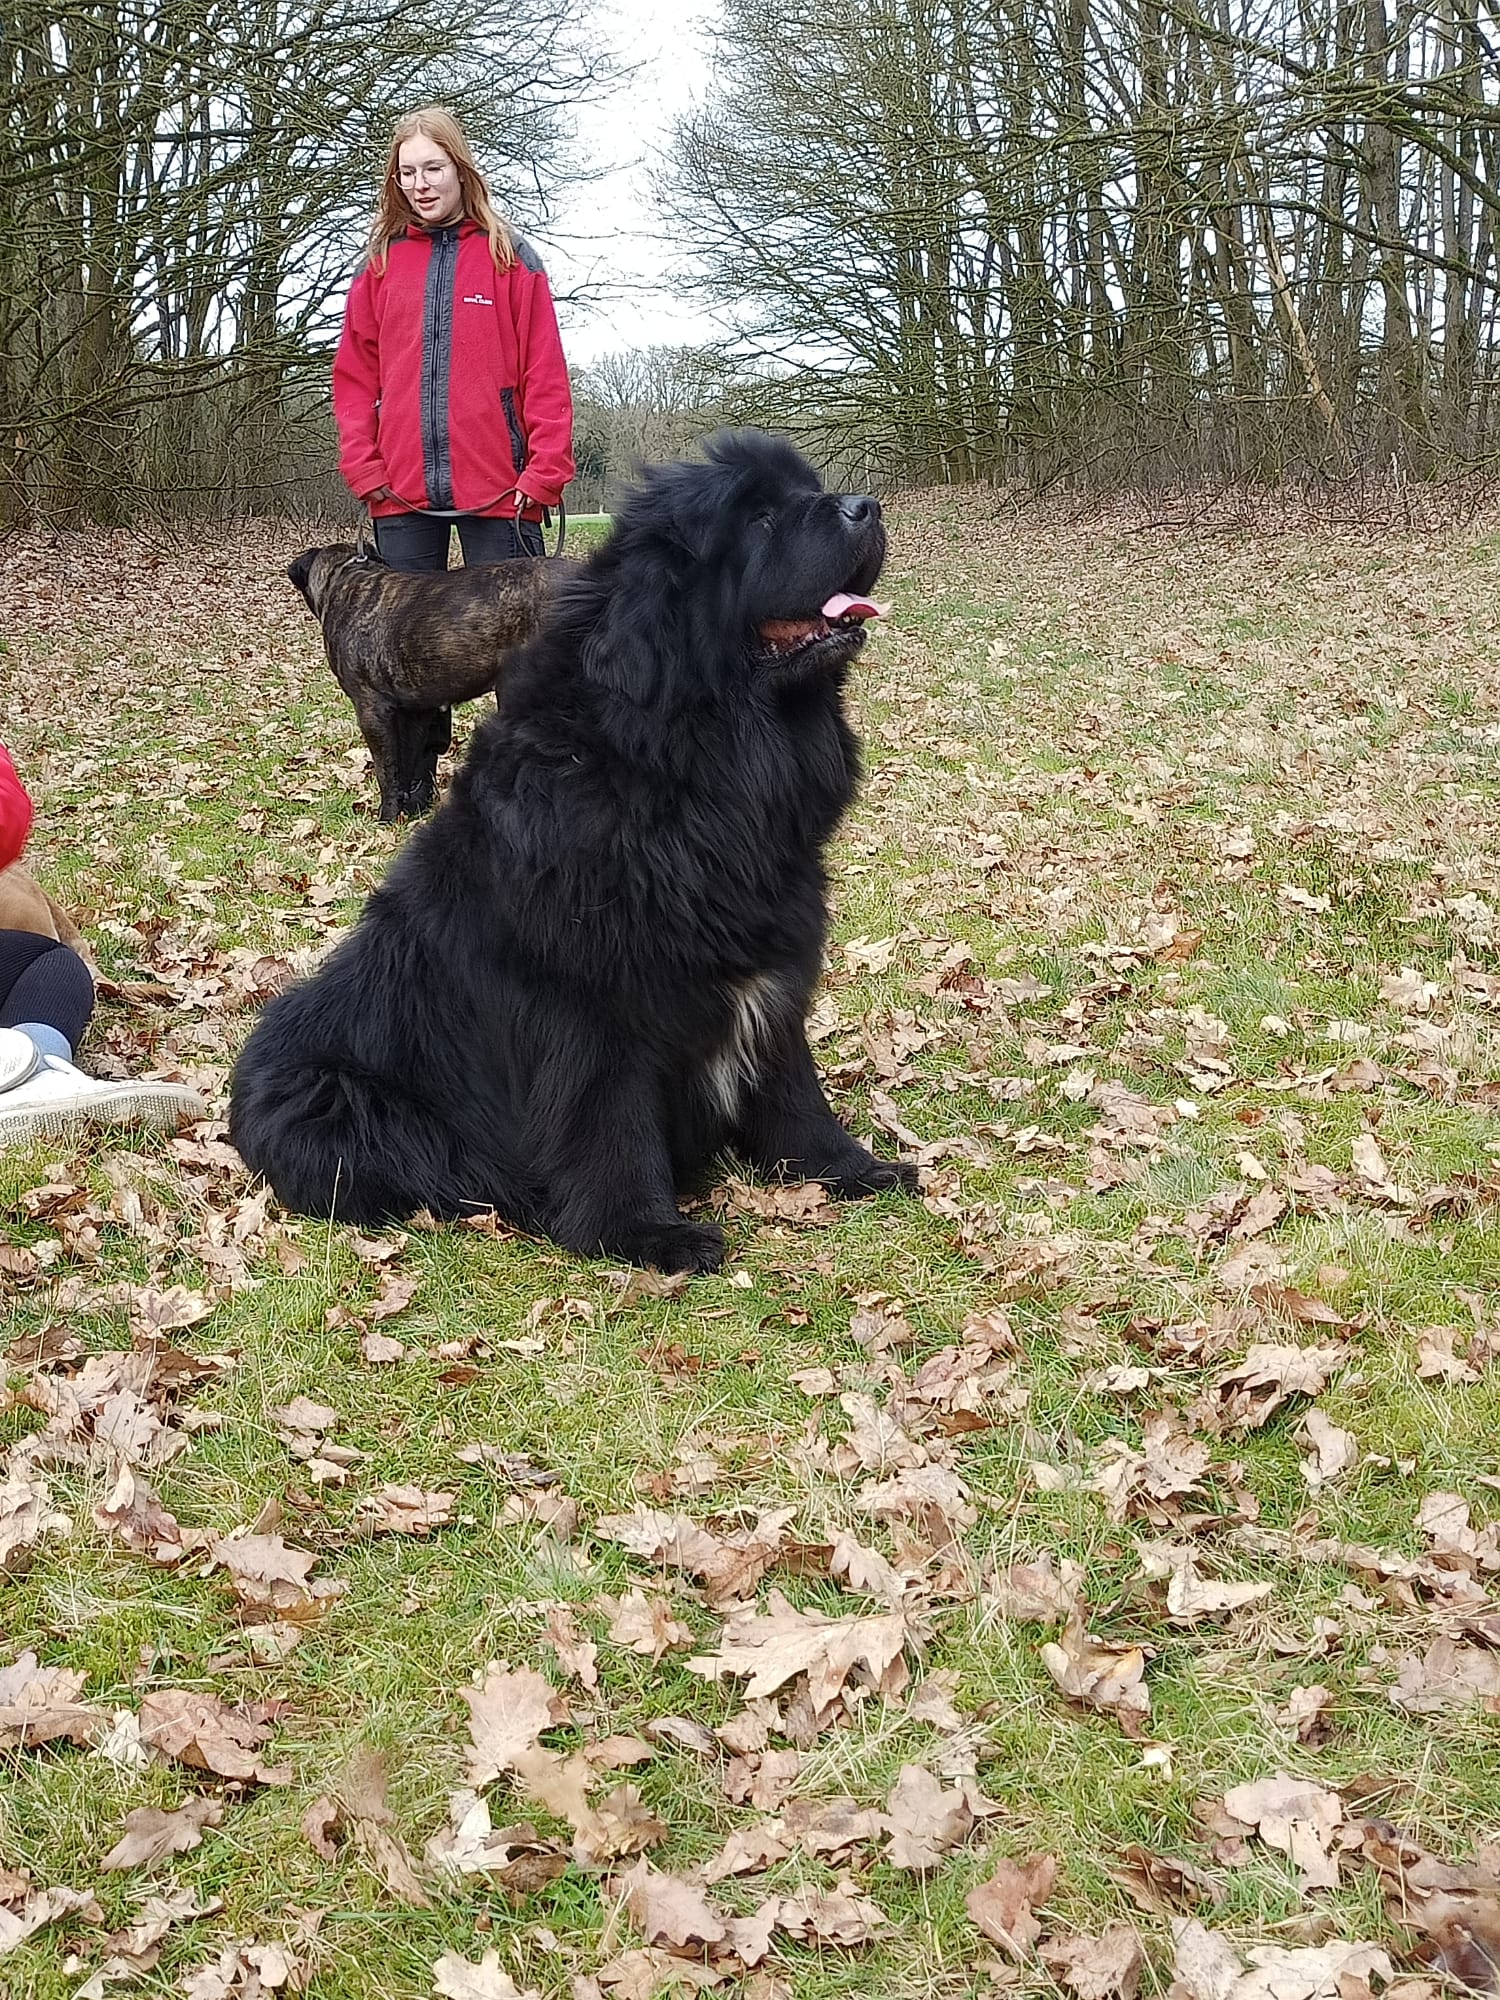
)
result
[(675, 1246), (872, 1176)]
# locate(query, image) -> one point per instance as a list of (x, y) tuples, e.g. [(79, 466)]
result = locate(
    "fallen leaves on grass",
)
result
[(731, 1565), (1101, 1673), (27, 1517), (767, 1649), (1298, 1818), (647, 1625), (1096, 1968), (507, 1714), (24, 1910), (405, 1510), (926, 1822), (361, 1813), (207, 1734), (458, 1978), (41, 1705), (151, 1835), (1453, 1907), (1251, 1392), (1207, 1967), (1004, 1907)]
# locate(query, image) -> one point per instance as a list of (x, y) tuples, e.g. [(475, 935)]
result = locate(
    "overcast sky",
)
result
[(598, 238)]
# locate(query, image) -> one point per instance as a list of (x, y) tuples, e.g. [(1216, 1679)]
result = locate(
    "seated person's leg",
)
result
[(46, 999)]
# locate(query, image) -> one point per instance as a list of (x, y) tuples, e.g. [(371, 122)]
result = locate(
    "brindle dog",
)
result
[(405, 645)]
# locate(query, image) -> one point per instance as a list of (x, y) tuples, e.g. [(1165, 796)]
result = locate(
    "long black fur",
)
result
[(587, 975)]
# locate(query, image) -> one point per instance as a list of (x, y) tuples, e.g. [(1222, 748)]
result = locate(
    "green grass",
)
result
[(1062, 725)]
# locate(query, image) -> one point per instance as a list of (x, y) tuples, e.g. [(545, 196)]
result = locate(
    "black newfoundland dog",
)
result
[(587, 975)]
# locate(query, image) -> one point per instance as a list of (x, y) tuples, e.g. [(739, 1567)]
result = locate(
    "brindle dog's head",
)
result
[(313, 570)]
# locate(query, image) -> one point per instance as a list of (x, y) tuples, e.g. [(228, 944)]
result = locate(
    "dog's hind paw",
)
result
[(673, 1246)]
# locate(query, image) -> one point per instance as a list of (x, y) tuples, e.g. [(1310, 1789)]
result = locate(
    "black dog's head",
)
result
[(311, 570), (740, 565)]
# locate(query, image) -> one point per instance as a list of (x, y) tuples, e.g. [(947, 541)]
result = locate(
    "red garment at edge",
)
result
[(449, 385), (15, 811)]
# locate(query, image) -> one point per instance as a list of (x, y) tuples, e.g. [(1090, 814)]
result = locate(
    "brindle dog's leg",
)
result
[(419, 737), (380, 723)]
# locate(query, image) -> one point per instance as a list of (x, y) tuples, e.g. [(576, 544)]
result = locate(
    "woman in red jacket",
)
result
[(46, 998), (449, 387)]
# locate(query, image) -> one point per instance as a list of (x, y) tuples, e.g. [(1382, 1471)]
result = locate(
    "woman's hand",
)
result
[(380, 493)]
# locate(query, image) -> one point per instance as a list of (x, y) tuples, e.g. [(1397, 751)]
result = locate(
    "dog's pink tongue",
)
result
[(842, 605)]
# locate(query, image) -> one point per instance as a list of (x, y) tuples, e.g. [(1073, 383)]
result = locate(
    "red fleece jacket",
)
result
[(449, 385), (15, 811)]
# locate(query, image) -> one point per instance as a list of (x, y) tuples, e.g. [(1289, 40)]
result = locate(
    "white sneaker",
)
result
[(56, 1097), (19, 1057)]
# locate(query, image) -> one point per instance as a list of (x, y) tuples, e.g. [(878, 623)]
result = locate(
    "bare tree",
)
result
[(186, 189), (1108, 240)]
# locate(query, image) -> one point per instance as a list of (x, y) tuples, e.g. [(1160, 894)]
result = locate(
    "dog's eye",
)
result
[(765, 522)]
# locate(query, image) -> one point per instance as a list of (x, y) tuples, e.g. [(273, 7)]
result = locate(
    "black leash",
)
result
[(366, 551)]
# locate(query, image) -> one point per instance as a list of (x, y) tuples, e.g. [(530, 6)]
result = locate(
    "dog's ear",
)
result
[(634, 644), (299, 569)]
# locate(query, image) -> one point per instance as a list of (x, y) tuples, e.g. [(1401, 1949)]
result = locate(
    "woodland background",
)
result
[(1088, 244)]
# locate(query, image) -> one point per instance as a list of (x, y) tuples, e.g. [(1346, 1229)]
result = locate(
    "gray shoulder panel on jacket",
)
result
[(529, 257)]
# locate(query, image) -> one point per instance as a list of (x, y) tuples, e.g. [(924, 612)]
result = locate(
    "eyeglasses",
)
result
[(434, 170)]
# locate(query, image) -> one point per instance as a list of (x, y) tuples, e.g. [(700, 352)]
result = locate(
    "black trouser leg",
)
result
[(44, 981), (417, 542), (413, 541), (486, 539)]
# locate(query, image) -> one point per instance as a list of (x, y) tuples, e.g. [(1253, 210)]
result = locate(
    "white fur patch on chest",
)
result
[(734, 1065)]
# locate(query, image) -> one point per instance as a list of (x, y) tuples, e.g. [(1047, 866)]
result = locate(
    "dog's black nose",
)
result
[(859, 507)]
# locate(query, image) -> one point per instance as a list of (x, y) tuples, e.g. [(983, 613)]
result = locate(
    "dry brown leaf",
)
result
[(647, 1625), (1189, 1595), (1161, 1884), (41, 1907), (405, 1510), (1037, 1593), (747, 1851), (670, 1911), (1097, 1967), (575, 1654), (1335, 1452), (40, 1705), (841, 1916), (458, 1978), (830, 1829), (1449, 1674), (647, 1973), (507, 1714), (379, 1349), (1454, 1907), (1252, 1391), (151, 1835), (1308, 1714), (924, 1821), (1295, 1816), (864, 1571), (1207, 1967), (770, 1648), (135, 1514), (267, 1575), (1004, 1907), (27, 1517), (515, 1858), (370, 1823), (731, 1565), (207, 1734), (605, 1829), (1101, 1673)]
